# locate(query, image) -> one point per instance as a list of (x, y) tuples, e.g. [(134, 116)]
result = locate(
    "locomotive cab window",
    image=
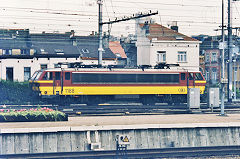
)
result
[(198, 76), (34, 76), (183, 76), (67, 75), (57, 75), (38, 75), (190, 76)]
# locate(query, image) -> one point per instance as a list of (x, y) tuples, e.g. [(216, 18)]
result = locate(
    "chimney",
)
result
[(72, 33), (146, 27), (174, 26)]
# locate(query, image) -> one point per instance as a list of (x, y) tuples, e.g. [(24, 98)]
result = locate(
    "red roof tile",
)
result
[(165, 34), (116, 47)]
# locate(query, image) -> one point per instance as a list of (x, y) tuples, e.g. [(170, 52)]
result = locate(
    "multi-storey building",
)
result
[(159, 44), (22, 53)]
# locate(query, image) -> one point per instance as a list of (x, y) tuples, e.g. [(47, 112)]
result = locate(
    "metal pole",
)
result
[(235, 78), (230, 72), (222, 64), (100, 26)]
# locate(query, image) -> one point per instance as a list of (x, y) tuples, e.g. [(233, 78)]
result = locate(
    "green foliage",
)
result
[(16, 92), (38, 114)]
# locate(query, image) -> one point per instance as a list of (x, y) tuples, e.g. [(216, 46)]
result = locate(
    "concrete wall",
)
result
[(65, 139)]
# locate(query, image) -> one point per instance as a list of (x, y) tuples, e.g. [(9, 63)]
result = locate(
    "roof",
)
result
[(162, 33), (51, 44), (14, 39), (88, 47), (116, 48)]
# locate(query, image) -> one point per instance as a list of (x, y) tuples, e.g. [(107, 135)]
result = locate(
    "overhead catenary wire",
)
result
[(67, 14)]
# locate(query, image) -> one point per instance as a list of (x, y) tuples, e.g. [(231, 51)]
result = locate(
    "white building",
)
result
[(21, 53), (158, 44), (21, 68)]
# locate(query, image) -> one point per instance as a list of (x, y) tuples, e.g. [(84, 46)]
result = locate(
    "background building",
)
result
[(158, 44), (22, 53)]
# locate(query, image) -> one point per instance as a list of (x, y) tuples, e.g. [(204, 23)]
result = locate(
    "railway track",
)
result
[(128, 109), (195, 152)]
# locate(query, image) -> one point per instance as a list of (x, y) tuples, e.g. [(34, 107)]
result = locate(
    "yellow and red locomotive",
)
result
[(99, 85)]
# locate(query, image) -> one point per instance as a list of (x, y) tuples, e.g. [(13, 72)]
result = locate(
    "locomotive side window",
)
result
[(190, 76), (67, 75), (166, 78), (57, 75), (143, 78), (183, 77), (198, 76), (124, 78)]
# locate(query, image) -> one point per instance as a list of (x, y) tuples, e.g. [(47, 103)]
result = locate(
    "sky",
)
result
[(193, 17)]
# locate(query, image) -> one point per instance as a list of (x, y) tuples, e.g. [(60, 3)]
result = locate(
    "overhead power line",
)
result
[(134, 16)]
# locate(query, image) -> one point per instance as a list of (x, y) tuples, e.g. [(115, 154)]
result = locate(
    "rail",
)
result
[(137, 153), (128, 109)]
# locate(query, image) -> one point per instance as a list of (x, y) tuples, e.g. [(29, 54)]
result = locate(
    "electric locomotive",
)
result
[(100, 85)]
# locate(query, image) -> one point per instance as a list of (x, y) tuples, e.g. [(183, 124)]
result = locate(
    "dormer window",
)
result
[(85, 51), (179, 38), (59, 51), (7, 51), (118, 54)]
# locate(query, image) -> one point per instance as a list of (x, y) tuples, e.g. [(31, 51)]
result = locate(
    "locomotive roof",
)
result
[(117, 70)]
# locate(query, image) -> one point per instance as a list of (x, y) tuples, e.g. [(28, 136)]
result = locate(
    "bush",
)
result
[(16, 93), (38, 114)]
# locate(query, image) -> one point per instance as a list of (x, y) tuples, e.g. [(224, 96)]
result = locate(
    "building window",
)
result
[(161, 56), (85, 50), (57, 66), (7, 51), (182, 56), (207, 57), (214, 57), (207, 75), (9, 73), (25, 52), (43, 66), (27, 73), (214, 74)]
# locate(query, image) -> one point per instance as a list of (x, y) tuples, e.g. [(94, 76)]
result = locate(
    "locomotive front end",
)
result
[(33, 82)]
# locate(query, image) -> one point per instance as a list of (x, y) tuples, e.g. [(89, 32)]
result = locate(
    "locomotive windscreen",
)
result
[(124, 78)]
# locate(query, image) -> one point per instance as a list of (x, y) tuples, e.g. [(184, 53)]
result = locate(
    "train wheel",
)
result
[(148, 99), (92, 100)]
